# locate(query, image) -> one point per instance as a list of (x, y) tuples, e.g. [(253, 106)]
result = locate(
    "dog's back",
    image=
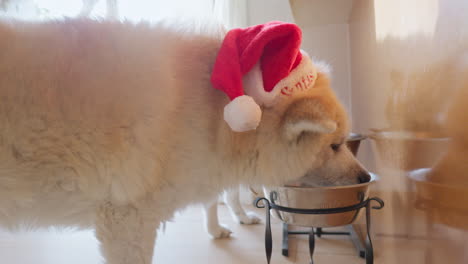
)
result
[(89, 111)]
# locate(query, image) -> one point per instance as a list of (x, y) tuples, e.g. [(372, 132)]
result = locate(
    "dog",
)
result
[(116, 126)]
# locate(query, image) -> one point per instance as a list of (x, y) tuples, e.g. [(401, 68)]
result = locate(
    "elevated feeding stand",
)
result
[(367, 252)]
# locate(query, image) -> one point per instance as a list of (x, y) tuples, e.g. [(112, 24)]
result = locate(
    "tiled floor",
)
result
[(185, 241)]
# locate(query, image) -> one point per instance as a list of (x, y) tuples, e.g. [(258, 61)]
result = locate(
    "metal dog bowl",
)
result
[(319, 198), (318, 207), (446, 204)]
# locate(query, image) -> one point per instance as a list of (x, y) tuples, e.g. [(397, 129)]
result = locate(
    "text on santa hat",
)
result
[(302, 85)]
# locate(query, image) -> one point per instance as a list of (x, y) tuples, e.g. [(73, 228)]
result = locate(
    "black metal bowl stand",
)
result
[(367, 253)]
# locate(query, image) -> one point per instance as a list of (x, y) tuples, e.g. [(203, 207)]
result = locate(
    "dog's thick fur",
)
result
[(116, 126)]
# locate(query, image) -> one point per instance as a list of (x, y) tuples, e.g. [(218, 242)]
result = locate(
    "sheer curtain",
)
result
[(232, 13)]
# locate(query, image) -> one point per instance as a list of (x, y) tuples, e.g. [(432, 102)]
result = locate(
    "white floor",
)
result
[(185, 241)]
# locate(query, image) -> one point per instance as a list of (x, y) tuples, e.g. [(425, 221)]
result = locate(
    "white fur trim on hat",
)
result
[(299, 79), (242, 114), (253, 86)]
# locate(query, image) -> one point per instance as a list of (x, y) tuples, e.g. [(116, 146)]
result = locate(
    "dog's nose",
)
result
[(364, 177)]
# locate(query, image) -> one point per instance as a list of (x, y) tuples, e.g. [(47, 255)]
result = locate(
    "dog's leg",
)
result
[(211, 221), (233, 202), (127, 234)]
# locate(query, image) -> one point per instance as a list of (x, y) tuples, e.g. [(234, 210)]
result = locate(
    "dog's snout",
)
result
[(364, 177)]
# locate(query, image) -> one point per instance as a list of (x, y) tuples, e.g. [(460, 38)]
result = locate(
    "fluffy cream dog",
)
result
[(98, 130)]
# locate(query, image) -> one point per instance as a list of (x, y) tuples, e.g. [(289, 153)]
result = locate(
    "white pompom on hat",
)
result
[(242, 113)]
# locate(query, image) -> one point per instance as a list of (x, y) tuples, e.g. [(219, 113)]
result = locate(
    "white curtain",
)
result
[(232, 13)]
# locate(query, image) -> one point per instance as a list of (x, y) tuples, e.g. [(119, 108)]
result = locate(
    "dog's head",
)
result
[(304, 135)]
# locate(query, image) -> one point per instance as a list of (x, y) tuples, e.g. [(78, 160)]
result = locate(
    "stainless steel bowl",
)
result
[(319, 198), (446, 204)]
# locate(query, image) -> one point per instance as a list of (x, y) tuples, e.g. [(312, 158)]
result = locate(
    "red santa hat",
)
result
[(257, 65)]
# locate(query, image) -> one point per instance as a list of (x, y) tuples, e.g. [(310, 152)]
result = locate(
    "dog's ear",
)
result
[(312, 115)]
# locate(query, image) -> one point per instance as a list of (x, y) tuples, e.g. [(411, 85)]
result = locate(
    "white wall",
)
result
[(262, 11), (330, 43)]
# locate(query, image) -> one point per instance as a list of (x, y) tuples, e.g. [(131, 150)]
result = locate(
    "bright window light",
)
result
[(134, 10)]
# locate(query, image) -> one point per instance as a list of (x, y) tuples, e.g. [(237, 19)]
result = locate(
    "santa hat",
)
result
[(255, 66)]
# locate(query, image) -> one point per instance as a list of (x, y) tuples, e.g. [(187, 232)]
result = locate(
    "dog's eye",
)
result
[(335, 147)]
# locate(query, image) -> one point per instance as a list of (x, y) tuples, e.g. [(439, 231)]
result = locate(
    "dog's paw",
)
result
[(219, 232), (249, 218)]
